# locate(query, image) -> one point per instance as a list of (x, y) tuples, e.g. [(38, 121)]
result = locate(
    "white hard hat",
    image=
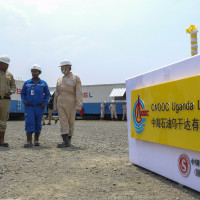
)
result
[(105, 102), (65, 62), (5, 59), (36, 66), (112, 101)]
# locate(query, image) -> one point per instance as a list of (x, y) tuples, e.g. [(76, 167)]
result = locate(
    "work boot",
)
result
[(29, 140), (2, 143), (49, 123), (36, 139), (69, 138), (65, 142), (56, 121)]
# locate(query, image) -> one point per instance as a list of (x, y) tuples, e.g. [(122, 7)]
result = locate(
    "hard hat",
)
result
[(36, 66), (65, 62), (112, 101), (5, 59), (105, 102)]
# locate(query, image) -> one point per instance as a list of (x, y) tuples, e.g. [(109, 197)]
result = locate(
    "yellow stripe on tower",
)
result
[(192, 30)]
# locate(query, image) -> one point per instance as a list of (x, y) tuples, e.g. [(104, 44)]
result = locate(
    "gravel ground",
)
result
[(96, 166)]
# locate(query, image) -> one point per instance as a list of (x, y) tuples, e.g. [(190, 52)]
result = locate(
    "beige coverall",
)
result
[(43, 120), (7, 84), (112, 108), (103, 106), (50, 116), (68, 98), (124, 108)]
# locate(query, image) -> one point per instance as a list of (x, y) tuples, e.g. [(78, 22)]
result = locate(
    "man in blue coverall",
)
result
[(35, 95)]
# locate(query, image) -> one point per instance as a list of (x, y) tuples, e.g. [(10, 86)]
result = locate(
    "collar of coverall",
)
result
[(68, 74), (34, 81)]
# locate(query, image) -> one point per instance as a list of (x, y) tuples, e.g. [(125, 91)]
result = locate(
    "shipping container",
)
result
[(93, 96), (17, 106)]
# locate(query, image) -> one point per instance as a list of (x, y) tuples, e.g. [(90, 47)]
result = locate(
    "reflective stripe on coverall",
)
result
[(68, 98), (7, 84), (112, 108), (35, 94)]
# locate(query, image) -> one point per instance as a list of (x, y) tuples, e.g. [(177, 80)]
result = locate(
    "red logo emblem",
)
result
[(139, 113), (184, 165)]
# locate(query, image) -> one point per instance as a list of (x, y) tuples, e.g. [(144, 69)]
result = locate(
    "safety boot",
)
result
[(29, 140), (2, 143), (36, 139), (65, 142)]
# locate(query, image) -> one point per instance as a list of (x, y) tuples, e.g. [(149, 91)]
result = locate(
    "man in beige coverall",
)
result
[(7, 87), (103, 107), (112, 108), (124, 108), (68, 98)]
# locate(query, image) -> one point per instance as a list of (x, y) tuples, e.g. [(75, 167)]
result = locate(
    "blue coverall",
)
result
[(35, 94)]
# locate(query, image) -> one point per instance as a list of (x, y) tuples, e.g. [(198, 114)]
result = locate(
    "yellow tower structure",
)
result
[(192, 30)]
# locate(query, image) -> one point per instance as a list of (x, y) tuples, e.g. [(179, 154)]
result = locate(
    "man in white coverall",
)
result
[(68, 98), (103, 107), (112, 108), (124, 108)]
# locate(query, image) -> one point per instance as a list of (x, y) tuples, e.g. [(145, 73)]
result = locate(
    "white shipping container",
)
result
[(93, 96), (17, 94), (98, 93)]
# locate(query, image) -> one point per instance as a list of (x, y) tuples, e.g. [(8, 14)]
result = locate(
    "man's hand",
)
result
[(27, 104), (42, 105), (8, 94)]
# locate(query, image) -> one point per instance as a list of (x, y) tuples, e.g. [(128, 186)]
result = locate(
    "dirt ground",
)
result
[(96, 166)]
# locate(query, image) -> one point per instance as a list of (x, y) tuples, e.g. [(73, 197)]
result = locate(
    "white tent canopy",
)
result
[(118, 92)]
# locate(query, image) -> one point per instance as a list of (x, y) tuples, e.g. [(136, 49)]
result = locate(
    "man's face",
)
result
[(35, 73), (3, 66), (65, 67)]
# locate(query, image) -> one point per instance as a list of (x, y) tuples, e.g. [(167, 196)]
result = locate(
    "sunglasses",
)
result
[(35, 72)]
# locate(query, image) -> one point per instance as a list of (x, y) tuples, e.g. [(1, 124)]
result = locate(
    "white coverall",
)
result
[(103, 107), (112, 108), (68, 98), (124, 108)]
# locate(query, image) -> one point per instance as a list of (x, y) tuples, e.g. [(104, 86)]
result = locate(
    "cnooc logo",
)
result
[(138, 115)]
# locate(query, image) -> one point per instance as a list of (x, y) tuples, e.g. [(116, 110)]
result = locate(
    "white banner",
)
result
[(180, 165)]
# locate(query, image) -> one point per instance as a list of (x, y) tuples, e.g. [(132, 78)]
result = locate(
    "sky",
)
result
[(107, 41)]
